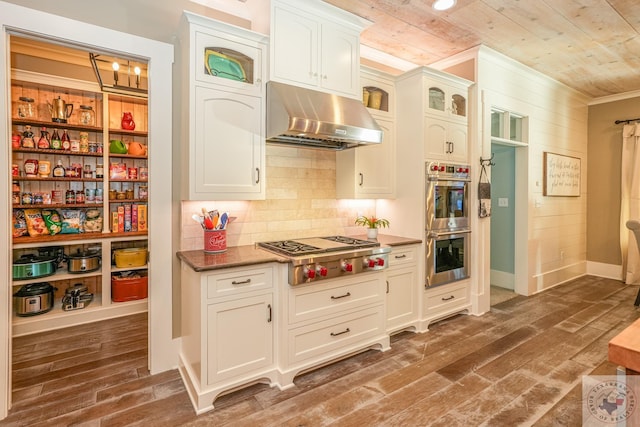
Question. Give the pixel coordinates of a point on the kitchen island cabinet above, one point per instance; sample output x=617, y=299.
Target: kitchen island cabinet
x=227, y=330
x=317, y=46
x=223, y=111
x=403, y=288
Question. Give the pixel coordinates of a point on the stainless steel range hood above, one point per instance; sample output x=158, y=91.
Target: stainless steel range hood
x=312, y=119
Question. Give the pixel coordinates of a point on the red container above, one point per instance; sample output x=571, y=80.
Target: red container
x=129, y=289
x=215, y=241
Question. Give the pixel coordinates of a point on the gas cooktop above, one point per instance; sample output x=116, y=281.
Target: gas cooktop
x=320, y=258
x=316, y=245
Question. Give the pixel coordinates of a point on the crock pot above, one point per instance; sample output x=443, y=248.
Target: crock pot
x=83, y=261
x=32, y=267
x=34, y=298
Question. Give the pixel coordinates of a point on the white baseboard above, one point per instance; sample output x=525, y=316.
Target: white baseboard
x=610, y=271
x=503, y=279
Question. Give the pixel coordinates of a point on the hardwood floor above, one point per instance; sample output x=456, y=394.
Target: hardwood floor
x=520, y=364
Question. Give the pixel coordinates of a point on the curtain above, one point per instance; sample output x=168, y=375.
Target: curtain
x=630, y=201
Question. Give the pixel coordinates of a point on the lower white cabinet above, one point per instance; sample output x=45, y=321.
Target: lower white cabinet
x=326, y=321
x=402, y=289
x=444, y=301
x=227, y=330
x=239, y=337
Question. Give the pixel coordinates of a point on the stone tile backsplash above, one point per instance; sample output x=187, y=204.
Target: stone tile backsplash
x=301, y=202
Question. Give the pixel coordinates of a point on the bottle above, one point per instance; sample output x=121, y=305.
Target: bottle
x=65, y=140
x=27, y=138
x=56, y=142
x=99, y=170
x=58, y=170
x=44, y=142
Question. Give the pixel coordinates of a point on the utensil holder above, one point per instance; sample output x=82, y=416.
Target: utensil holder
x=215, y=241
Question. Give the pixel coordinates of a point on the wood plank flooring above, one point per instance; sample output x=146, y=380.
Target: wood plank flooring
x=520, y=364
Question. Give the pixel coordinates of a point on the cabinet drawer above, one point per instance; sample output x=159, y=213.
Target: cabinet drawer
x=238, y=281
x=314, y=301
x=335, y=334
x=446, y=297
x=403, y=255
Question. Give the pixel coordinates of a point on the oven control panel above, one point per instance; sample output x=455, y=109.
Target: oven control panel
x=443, y=171
x=330, y=269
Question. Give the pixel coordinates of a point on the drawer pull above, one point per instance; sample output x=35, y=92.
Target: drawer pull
x=387, y=286
x=348, y=294
x=401, y=256
x=335, y=334
x=269, y=311
x=242, y=282
x=449, y=298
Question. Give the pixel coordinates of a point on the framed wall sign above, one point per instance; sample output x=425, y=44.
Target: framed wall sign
x=561, y=175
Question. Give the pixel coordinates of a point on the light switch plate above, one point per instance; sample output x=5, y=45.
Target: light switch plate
x=503, y=202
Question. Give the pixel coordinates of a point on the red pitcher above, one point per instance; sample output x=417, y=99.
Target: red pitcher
x=127, y=122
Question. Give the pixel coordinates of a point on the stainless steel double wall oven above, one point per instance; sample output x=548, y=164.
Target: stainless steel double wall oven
x=447, y=222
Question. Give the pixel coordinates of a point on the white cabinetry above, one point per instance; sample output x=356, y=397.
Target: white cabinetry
x=402, y=288
x=369, y=172
x=223, y=110
x=444, y=301
x=324, y=322
x=445, y=140
x=315, y=45
x=227, y=330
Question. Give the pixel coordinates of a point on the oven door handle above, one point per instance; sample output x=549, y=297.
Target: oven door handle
x=436, y=234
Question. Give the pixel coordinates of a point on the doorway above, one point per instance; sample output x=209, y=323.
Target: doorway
x=509, y=205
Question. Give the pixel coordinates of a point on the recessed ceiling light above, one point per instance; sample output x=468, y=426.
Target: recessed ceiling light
x=443, y=4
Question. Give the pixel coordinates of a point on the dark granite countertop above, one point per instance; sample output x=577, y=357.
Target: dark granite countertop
x=239, y=256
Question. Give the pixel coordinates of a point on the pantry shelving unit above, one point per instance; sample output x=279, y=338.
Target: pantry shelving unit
x=108, y=109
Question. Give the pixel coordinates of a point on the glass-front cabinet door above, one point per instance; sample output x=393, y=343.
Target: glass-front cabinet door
x=228, y=62
x=447, y=101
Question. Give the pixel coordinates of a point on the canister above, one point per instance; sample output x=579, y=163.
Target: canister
x=80, y=197
x=143, y=192
x=90, y=195
x=99, y=170
x=144, y=172
x=37, y=199
x=99, y=195
x=56, y=196
x=129, y=193
x=27, y=198
x=113, y=194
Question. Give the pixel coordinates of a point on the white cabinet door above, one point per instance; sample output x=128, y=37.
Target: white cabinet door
x=402, y=297
x=447, y=101
x=313, y=52
x=445, y=140
x=339, y=60
x=369, y=171
x=227, y=158
x=294, y=48
x=403, y=287
x=239, y=337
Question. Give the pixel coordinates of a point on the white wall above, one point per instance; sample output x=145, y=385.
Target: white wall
x=557, y=123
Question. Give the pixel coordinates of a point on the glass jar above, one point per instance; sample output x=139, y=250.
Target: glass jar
x=87, y=116
x=26, y=108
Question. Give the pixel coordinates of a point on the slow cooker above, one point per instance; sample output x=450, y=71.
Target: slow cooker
x=34, y=298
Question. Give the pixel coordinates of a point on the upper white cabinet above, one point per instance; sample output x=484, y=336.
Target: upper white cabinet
x=445, y=140
x=369, y=172
x=448, y=101
x=433, y=107
x=316, y=45
x=223, y=111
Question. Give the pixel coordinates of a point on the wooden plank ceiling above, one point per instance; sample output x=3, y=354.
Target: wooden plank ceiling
x=592, y=46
